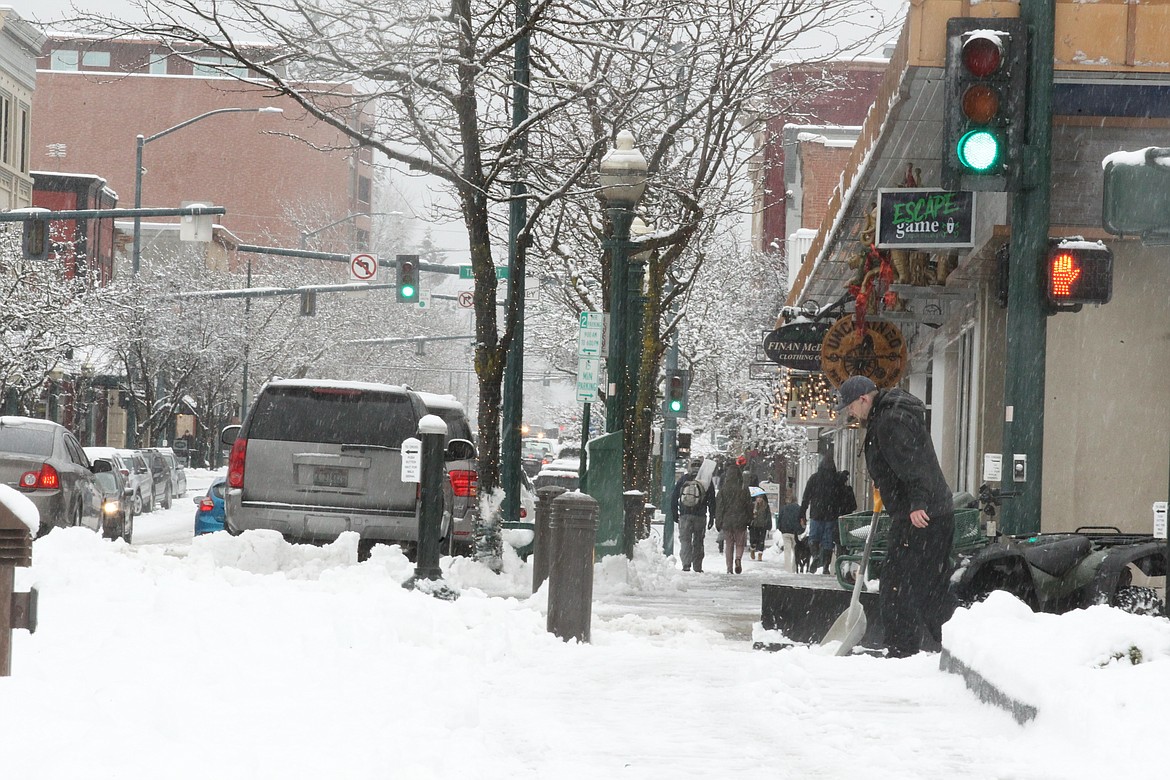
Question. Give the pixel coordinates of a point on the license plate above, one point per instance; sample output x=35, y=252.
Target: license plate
x=336, y=478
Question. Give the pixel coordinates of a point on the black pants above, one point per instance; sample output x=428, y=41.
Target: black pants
x=915, y=591
x=757, y=537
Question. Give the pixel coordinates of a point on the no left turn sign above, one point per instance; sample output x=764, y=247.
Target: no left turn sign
x=363, y=267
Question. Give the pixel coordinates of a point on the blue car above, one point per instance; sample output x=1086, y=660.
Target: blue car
x=209, y=514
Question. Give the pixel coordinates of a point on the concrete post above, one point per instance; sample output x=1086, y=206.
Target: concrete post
x=573, y=528
x=541, y=544
x=433, y=432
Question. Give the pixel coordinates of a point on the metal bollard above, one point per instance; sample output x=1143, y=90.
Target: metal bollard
x=573, y=529
x=427, y=574
x=541, y=550
x=17, y=610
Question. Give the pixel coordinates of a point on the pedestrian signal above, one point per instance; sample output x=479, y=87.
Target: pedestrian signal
x=1078, y=272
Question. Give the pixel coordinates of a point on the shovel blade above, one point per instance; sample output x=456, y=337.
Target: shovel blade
x=848, y=630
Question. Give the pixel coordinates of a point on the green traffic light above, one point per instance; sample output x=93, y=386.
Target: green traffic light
x=406, y=291
x=675, y=405
x=979, y=150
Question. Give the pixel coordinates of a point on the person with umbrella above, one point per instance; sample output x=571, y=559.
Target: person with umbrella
x=761, y=523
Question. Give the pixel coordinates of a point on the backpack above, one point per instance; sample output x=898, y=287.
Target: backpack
x=691, y=495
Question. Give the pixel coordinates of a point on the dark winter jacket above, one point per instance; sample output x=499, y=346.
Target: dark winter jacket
x=901, y=459
x=788, y=519
x=821, y=493
x=733, y=505
x=706, y=508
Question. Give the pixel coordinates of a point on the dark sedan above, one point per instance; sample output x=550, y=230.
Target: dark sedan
x=45, y=461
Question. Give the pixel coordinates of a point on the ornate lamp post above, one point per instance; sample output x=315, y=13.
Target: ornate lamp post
x=623, y=180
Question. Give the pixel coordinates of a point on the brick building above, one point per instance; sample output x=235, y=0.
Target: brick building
x=278, y=175
x=835, y=94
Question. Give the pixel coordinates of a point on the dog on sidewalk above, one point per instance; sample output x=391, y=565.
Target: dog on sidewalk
x=803, y=552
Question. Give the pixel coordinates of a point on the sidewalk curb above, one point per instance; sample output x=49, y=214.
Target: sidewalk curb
x=985, y=690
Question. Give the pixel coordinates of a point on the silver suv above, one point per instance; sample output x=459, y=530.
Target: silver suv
x=315, y=458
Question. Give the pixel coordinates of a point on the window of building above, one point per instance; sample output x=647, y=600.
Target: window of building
x=363, y=192
x=6, y=129
x=96, y=59
x=158, y=64
x=24, y=140
x=63, y=59
x=217, y=67
x=363, y=240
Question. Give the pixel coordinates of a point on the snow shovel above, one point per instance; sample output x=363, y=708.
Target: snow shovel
x=850, y=626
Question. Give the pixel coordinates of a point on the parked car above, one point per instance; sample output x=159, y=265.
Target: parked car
x=209, y=508
x=178, y=471
x=45, y=461
x=535, y=453
x=133, y=466
x=462, y=467
x=316, y=457
x=162, y=486
x=117, y=501
x=564, y=472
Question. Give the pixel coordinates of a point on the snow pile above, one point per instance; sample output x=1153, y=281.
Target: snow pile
x=21, y=506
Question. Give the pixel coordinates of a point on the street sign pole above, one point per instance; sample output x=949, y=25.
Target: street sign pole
x=590, y=347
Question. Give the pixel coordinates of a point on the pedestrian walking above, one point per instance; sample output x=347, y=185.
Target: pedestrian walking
x=733, y=515
x=790, y=525
x=694, y=507
x=846, y=504
x=902, y=462
x=760, y=526
x=819, y=508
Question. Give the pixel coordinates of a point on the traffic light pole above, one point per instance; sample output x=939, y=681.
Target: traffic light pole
x=1027, y=316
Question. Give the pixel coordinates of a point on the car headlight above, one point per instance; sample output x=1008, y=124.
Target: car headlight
x=111, y=506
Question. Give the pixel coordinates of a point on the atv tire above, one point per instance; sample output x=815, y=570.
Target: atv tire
x=1139, y=601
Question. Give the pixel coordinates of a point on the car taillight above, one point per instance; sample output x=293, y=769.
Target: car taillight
x=206, y=504
x=45, y=479
x=464, y=482
x=236, y=463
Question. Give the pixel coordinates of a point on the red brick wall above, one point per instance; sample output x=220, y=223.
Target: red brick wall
x=844, y=102
x=821, y=168
x=226, y=159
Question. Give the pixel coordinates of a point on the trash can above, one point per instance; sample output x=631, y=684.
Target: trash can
x=573, y=532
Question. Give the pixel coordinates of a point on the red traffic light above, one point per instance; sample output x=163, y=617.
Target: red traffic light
x=1079, y=272
x=982, y=54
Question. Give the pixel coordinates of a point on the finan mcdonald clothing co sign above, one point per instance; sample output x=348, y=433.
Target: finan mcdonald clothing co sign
x=797, y=345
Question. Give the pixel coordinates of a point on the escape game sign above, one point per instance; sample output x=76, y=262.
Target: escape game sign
x=911, y=218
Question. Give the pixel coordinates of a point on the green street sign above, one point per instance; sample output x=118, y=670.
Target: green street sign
x=1136, y=198
x=466, y=273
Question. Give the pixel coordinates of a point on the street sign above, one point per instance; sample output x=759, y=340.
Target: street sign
x=588, y=379
x=590, y=336
x=531, y=288
x=466, y=299
x=195, y=227
x=363, y=267
x=411, y=460
x=465, y=272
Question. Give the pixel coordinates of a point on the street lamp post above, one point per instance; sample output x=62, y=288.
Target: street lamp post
x=623, y=180
x=307, y=234
x=144, y=140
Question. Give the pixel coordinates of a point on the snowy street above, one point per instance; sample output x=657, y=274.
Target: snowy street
x=250, y=658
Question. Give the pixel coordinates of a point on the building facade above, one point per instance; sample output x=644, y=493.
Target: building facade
x=279, y=175
x=1106, y=413
x=20, y=43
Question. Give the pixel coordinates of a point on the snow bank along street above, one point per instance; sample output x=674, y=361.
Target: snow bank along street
x=248, y=657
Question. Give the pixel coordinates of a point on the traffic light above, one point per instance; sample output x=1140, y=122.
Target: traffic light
x=1078, y=272
x=986, y=96
x=674, y=403
x=34, y=242
x=407, y=289
x=682, y=447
